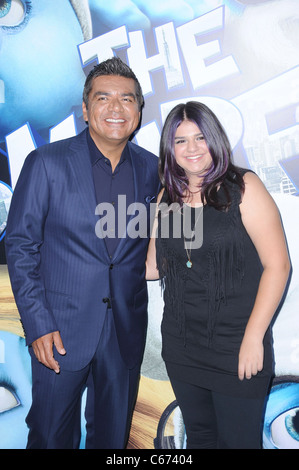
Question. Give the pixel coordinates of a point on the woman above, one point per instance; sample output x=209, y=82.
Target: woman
x=219, y=299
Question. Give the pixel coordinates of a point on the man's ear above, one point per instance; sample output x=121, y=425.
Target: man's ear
x=85, y=114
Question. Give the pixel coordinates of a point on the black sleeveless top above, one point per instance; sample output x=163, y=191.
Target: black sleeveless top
x=207, y=306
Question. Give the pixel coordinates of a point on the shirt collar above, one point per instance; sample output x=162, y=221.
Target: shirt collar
x=96, y=154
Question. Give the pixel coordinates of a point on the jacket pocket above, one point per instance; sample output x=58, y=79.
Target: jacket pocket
x=57, y=300
x=141, y=298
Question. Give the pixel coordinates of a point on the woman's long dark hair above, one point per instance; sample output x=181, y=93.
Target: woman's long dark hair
x=222, y=169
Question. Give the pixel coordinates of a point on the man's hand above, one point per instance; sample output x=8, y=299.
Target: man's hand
x=43, y=349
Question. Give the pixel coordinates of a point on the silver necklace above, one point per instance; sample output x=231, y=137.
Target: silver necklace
x=189, y=263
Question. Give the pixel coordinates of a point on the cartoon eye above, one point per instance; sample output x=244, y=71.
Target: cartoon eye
x=8, y=400
x=285, y=430
x=12, y=12
x=281, y=425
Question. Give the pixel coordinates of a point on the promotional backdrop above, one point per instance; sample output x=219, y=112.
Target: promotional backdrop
x=240, y=57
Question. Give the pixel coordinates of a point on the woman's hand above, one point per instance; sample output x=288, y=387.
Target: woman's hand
x=251, y=357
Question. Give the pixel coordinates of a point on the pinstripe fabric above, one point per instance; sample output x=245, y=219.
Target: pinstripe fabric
x=60, y=270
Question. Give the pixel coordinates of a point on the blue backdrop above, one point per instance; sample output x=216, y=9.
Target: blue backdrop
x=240, y=57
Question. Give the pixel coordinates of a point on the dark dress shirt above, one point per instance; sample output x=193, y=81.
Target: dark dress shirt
x=109, y=186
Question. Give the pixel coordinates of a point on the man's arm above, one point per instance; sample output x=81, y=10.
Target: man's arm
x=23, y=242
x=261, y=219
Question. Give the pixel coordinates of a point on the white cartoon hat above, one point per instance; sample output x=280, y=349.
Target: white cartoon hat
x=82, y=11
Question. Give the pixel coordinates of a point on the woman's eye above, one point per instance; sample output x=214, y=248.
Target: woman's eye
x=8, y=400
x=12, y=12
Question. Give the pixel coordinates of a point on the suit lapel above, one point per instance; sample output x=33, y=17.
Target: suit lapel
x=80, y=164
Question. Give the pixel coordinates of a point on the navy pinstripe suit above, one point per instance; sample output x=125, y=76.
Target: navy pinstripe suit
x=60, y=271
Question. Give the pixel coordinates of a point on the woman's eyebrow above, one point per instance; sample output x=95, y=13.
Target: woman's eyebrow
x=184, y=136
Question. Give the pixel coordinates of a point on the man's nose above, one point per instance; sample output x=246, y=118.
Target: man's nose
x=115, y=104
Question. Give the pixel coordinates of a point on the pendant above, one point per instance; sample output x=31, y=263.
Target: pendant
x=189, y=264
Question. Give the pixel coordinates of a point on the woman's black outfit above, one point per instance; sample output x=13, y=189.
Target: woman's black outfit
x=206, y=310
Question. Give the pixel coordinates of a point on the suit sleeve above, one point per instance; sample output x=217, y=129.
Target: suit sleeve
x=23, y=243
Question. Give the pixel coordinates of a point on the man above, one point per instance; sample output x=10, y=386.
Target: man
x=83, y=298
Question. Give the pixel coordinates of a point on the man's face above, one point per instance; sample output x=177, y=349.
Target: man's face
x=113, y=113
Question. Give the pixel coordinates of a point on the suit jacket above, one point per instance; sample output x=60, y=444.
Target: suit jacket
x=60, y=270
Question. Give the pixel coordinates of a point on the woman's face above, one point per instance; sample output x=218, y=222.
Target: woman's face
x=190, y=149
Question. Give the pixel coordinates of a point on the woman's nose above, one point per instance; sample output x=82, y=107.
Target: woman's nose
x=192, y=145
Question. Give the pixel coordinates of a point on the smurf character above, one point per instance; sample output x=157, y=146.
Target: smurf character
x=143, y=15
x=41, y=77
x=15, y=371
x=15, y=390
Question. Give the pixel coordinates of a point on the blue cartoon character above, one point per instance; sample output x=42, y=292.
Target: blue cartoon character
x=143, y=15
x=15, y=390
x=41, y=77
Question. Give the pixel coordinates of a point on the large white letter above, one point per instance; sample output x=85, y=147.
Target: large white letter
x=101, y=47
x=19, y=143
x=167, y=58
x=195, y=55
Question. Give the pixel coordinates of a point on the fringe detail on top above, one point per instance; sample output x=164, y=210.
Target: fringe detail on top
x=226, y=269
x=172, y=280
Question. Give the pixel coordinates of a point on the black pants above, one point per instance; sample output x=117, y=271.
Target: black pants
x=217, y=421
